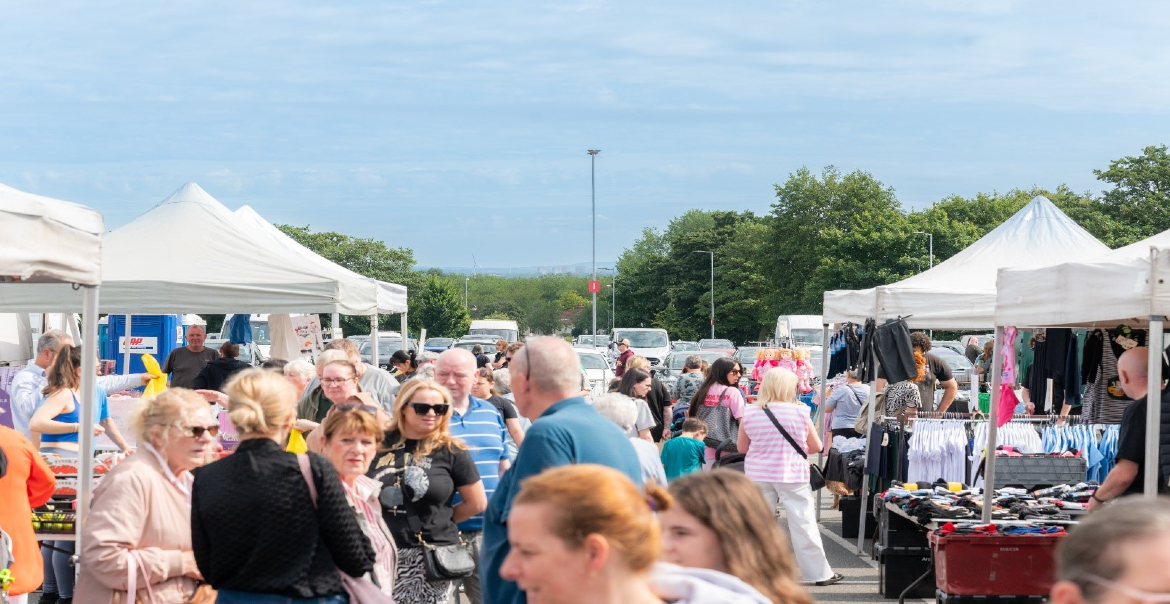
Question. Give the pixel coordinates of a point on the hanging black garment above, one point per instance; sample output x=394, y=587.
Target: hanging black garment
x=894, y=351
x=1037, y=374
x=865, y=364
x=1057, y=353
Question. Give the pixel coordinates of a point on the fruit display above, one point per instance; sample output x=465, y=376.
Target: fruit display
x=53, y=519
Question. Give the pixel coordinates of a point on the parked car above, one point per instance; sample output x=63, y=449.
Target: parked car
x=387, y=344
x=954, y=345
x=683, y=346
x=597, y=367
x=591, y=341
x=650, y=342
x=672, y=366
x=961, y=368
x=717, y=345
x=470, y=342
x=746, y=355
x=438, y=344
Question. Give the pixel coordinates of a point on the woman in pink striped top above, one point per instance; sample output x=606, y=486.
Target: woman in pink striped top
x=352, y=435
x=781, y=471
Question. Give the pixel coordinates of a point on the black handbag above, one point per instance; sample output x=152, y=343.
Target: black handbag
x=440, y=562
x=816, y=478
x=448, y=562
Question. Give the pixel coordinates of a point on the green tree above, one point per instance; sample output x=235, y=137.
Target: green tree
x=835, y=232
x=1140, y=197
x=438, y=307
x=364, y=256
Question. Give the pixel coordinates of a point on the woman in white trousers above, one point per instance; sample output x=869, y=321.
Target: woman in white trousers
x=781, y=471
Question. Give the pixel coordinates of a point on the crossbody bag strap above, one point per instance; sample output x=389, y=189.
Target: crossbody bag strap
x=785, y=433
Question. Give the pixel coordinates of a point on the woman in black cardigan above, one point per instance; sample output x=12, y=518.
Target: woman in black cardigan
x=256, y=534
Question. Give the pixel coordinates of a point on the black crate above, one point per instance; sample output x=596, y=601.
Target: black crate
x=850, y=508
x=898, y=567
x=896, y=531
x=944, y=598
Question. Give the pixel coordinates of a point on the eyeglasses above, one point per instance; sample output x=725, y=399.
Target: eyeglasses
x=424, y=408
x=197, y=431
x=1144, y=597
x=335, y=381
x=372, y=410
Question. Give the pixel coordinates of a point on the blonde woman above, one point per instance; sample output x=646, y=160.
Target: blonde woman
x=422, y=467
x=141, y=511
x=256, y=533
x=781, y=471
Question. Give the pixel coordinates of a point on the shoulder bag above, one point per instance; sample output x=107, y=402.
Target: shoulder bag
x=203, y=594
x=722, y=427
x=861, y=426
x=360, y=589
x=816, y=479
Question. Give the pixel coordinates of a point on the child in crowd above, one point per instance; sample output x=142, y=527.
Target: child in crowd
x=684, y=453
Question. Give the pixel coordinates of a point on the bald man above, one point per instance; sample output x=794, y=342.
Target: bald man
x=1128, y=476
x=546, y=381
x=481, y=426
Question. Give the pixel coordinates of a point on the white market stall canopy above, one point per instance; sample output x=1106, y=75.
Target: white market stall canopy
x=1125, y=285
x=188, y=254
x=47, y=240
x=960, y=292
x=391, y=296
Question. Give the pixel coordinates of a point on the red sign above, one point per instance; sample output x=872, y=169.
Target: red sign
x=594, y=287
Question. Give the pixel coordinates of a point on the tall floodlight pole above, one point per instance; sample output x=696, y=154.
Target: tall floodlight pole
x=712, y=254
x=613, y=299
x=593, y=193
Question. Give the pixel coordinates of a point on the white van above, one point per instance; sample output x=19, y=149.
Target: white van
x=805, y=331
x=649, y=342
x=495, y=329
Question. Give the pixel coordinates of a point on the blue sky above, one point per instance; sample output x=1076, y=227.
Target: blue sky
x=456, y=128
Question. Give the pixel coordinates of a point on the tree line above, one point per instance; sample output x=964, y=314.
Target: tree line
x=827, y=230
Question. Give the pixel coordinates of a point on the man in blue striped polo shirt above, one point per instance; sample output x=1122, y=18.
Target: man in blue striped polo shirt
x=481, y=426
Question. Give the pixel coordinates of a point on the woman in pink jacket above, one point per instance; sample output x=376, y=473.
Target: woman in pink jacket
x=141, y=515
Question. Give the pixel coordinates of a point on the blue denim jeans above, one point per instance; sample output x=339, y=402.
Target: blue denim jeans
x=226, y=596
x=58, y=570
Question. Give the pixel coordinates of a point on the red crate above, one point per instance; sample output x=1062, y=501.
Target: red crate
x=1002, y=565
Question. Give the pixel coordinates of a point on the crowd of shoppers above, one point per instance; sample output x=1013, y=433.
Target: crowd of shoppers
x=582, y=513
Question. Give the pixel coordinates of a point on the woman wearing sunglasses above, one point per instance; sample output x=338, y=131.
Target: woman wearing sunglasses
x=421, y=468
x=142, y=508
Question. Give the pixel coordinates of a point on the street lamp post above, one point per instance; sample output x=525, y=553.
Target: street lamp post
x=931, y=236
x=712, y=254
x=593, y=194
x=465, y=280
x=613, y=298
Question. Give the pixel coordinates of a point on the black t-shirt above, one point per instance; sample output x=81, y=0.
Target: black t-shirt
x=428, y=487
x=482, y=360
x=505, y=407
x=937, y=366
x=1131, y=445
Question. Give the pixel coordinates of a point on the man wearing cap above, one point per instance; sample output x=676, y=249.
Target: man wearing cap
x=624, y=356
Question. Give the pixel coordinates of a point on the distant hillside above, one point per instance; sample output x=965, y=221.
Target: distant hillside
x=581, y=268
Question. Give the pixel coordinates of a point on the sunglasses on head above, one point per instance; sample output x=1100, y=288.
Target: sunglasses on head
x=197, y=431
x=423, y=408
x=372, y=410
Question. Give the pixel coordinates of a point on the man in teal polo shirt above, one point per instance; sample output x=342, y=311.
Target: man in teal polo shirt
x=546, y=378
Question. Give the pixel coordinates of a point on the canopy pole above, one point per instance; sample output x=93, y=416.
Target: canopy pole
x=821, y=408
x=872, y=402
x=1153, y=406
x=374, y=340
x=335, y=326
x=992, y=427
x=85, y=435
x=405, y=334
x=126, y=353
